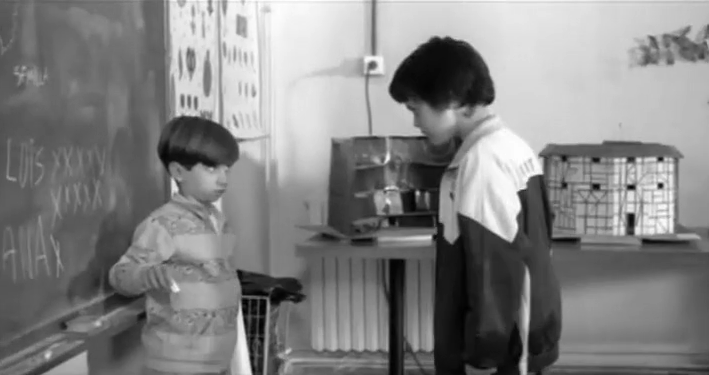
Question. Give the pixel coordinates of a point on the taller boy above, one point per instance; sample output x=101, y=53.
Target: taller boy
x=498, y=302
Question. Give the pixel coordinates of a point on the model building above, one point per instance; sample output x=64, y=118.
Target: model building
x=380, y=182
x=613, y=188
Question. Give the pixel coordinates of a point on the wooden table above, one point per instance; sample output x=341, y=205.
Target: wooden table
x=625, y=306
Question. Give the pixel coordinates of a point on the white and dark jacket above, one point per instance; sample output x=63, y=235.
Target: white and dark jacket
x=495, y=210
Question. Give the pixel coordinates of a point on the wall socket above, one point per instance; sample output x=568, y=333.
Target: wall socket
x=373, y=65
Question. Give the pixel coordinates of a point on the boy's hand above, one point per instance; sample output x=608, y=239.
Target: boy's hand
x=158, y=277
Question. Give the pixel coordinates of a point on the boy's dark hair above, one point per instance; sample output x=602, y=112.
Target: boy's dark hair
x=441, y=72
x=190, y=140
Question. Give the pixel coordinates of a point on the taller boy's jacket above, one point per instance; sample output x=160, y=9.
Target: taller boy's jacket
x=494, y=212
x=195, y=329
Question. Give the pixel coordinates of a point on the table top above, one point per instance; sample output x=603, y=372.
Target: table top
x=400, y=249
x=323, y=247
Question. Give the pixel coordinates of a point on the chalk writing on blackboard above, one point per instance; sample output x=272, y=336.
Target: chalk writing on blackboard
x=23, y=163
x=31, y=75
x=28, y=250
x=8, y=40
x=71, y=177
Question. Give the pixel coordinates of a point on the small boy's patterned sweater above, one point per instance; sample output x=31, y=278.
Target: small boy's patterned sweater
x=192, y=331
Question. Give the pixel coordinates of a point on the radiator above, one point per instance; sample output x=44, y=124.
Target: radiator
x=349, y=309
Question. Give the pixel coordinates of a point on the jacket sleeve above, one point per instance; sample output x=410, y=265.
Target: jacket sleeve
x=152, y=245
x=488, y=211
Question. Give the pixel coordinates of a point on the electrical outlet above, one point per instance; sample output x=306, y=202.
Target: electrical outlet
x=373, y=65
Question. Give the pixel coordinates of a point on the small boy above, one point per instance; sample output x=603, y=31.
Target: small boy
x=180, y=260
x=498, y=302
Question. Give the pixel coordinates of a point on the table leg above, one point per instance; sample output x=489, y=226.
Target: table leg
x=397, y=268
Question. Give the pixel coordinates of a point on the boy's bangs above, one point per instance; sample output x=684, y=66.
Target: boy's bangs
x=192, y=140
x=401, y=93
x=214, y=151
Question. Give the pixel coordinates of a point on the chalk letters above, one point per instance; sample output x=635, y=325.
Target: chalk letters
x=31, y=75
x=23, y=163
x=30, y=251
x=73, y=186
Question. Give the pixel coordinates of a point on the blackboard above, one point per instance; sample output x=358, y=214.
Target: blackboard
x=82, y=100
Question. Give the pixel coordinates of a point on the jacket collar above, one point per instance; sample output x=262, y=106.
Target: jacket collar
x=201, y=210
x=485, y=123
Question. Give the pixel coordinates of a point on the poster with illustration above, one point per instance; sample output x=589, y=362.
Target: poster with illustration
x=194, y=57
x=240, y=78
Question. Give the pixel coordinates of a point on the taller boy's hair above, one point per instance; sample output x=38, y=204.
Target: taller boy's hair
x=190, y=140
x=441, y=72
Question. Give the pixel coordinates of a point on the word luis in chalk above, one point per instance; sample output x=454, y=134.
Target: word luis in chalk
x=28, y=163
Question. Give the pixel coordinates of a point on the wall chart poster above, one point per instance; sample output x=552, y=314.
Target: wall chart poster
x=240, y=80
x=215, y=63
x=194, y=57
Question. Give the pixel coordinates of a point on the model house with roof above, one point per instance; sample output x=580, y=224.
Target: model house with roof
x=613, y=188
